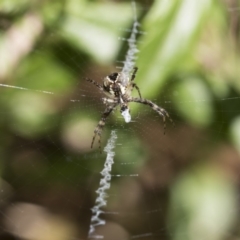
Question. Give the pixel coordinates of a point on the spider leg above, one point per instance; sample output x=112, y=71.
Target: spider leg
x=95, y=83
x=161, y=111
x=135, y=69
x=134, y=85
x=101, y=124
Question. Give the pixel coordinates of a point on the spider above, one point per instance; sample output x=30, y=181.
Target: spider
x=119, y=93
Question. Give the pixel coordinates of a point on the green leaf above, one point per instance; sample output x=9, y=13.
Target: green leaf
x=10, y=6
x=235, y=132
x=95, y=27
x=172, y=28
x=42, y=72
x=193, y=100
x=203, y=205
x=33, y=113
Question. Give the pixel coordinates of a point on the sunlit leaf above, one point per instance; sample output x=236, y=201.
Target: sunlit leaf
x=193, y=100
x=10, y=6
x=95, y=28
x=52, y=11
x=32, y=112
x=203, y=205
x=42, y=72
x=171, y=29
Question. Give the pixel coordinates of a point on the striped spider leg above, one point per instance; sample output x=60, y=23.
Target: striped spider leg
x=111, y=105
x=161, y=111
x=101, y=124
x=134, y=85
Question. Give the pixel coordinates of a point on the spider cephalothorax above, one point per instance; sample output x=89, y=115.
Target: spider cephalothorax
x=111, y=85
x=120, y=94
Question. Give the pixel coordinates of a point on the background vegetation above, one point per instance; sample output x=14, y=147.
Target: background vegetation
x=188, y=180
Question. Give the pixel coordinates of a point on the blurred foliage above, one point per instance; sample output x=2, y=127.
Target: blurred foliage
x=188, y=64
x=206, y=199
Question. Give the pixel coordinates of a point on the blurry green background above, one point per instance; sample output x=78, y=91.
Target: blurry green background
x=188, y=180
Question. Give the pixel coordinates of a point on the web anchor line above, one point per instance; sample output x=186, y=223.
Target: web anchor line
x=36, y=90
x=105, y=184
x=25, y=89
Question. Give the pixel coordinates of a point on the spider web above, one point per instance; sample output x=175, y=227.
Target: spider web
x=50, y=175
